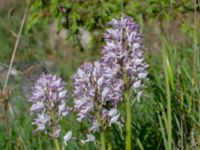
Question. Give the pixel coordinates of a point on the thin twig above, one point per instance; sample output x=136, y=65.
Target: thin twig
x=13, y=33
x=11, y=63
x=13, y=55
x=15, y=49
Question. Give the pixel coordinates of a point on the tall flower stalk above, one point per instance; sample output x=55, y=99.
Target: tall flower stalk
x=48, y=103
x=97, y=90
x=123, y=49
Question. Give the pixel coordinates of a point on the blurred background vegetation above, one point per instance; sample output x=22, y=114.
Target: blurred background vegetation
x=59, y=35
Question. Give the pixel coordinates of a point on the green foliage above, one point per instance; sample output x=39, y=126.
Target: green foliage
x=171, y=98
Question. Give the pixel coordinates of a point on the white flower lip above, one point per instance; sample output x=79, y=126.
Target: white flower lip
x=67, y=137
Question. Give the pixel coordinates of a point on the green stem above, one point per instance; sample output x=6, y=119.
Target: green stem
x=102, y=134
x=53, y=117
x=128, y=121
x=102, y=139
x=109, y=146
x=109, y=138
x=169, y=122
x=57, y=144
x=167, y=72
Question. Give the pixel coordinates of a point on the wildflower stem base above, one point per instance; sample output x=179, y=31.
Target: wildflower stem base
x=128, y=121
x=102, y=139
x=57, y=144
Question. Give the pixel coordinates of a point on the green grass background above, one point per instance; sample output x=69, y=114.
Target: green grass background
x=169, y=112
